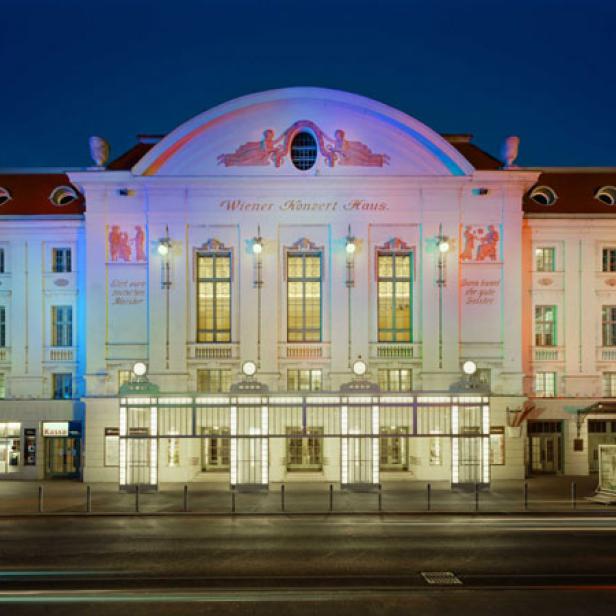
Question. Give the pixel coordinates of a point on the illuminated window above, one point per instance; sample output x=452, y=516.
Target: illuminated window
x=394, y=296
x=545, y=384
x=545, y=325
x=397, y=379
x=609, y=384
x=608, y=325
x=393, y=450
x=62, y=386
x=213, y=381
x=215, y=449
x=303, y=151
x=545, y=259
x=304, y=453
x=62, y=326
x=304, y=380
x=2, y=326
x=214, y=297
x=124, y=376
x=112, y=447
x=497, y=445
x=609, y=260
x=304, y=297
x=61, y=260
x=10, y=447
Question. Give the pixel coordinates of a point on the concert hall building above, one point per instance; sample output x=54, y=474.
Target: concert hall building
x=306, y=285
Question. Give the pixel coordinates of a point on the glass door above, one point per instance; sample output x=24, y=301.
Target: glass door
x=62, y=456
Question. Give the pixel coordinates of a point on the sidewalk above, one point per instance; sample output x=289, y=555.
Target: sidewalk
x=545, y=494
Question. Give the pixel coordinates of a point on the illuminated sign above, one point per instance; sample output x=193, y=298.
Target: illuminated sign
x=55, y=428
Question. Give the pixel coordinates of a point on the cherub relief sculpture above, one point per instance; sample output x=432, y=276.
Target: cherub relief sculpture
x=480, y=243
x=269, y=150
x=120, y=248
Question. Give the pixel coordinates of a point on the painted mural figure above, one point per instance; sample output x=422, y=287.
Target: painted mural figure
x=487, y=248
x=114, y=242
x=469, y=244
x=139, y=243
x=254, y=153
x=355, y=153
x=125, y=249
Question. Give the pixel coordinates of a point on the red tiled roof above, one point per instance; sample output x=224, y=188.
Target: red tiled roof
x=127, y=160
x=477, y=157
x=30, y=194
x=575, y=190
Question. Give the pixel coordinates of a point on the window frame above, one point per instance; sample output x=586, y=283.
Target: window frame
x=61, y=260
x=394, y=334
x=608, y=326
x=223, y=380
x=67, y=379
x=387, y=373
x=544, y=391
x=62, y=328
x=541, y=261
x=218, y=334
x=542, y=322
x=304, y=280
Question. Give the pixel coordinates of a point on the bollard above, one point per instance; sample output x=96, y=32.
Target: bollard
x=282, y=498
x=526, y=496
x=88, y=499
x=331, y=497
x=573, y=495
x=232, y=500
x=380, y=497
x=429, y=486
x=476, y=496
x=137, y=499
x=40, y=499
x=185, y=498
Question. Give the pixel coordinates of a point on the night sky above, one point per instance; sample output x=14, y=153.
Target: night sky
x=541, y=69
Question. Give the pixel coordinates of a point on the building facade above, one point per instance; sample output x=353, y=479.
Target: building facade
x=305, y=285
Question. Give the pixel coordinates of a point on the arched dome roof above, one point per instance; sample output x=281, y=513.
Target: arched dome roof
x=252, y=135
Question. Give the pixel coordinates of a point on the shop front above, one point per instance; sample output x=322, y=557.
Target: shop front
x=62, y=449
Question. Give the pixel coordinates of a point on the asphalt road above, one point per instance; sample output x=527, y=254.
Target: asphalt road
x=320, y=565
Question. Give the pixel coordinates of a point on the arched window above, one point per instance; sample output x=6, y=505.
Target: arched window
x=543, y=195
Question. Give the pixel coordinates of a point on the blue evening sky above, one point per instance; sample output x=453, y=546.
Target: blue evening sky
x=541, y=69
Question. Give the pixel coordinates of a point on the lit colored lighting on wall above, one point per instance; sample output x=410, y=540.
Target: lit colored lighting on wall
x=443, y=245
x=163, y=247
x=257, y=247
x=350, y=245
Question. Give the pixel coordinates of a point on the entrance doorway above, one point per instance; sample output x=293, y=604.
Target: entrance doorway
x=62, y=457
x=600, y=432
x=215, y=449
x=545, y=446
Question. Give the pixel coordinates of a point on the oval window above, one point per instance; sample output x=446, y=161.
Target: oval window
x=63, y=195
x=304, y=151
x=5, y=196
x=543, y=195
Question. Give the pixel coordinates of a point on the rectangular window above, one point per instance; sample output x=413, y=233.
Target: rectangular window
x=61, y=260
x=545, y=384
x=2, y=326
x=112, y=447
x=124, y=376
x=609, y=384
x=609, y=260
x=394, y=296
x=484, y=377
x=62, y=326
x=497, y=445
x=62, y=386
x=10, y=447
x=213, y=381
x=545, y=259
x=2, y=263
x=398, y=379
x=393, y=448
x=304, y=453
x=2, y=386
x=303, y=380
x=545, y=325
x=215, y=449
x=304, y=297
x=214, y=297
x=597, y=426
x=608, y=326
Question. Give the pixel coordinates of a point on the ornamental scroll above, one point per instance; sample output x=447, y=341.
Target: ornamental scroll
x=336, y=151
